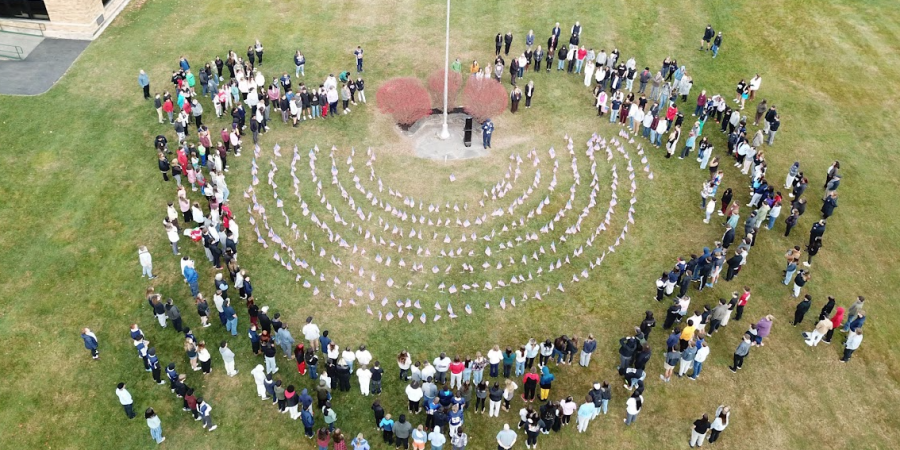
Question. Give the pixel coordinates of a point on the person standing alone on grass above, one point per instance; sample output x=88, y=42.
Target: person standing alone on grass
x=144, y=82
x=90, y=342
x=802, y=309
x=126, y=400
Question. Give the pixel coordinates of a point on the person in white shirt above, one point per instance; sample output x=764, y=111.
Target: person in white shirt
x=363, y=356
x=310, y=330
x=125, y=399
x=633, y=407
x=428, y=371
x=414, y=395
x=755, y=83
x=494, y=357
x=330, y=82
x=638, y=119
x=146, y=261
x=365, y=378
x=204, y=409
x=333, y=351
x=854, y=339
x=233, y=227
x=441, y=366
x=349, y=357
x=228, y=358
x=699, y=359
x=259, y=377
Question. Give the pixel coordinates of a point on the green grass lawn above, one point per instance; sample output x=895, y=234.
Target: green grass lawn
x=81, y=191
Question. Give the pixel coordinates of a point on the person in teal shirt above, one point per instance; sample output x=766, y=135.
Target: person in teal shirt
x=585, y=413
x=189, y=77
x=456, y=66
x=509, y=358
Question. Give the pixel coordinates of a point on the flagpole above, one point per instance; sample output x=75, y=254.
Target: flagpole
x=445, y=131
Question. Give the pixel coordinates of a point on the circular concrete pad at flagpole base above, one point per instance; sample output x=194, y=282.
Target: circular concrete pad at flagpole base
x=428, y=144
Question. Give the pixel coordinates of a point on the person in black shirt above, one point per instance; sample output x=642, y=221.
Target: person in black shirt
x=717, y=43
x=507, y=41
x=698, y=431
x=498, y=42
x=377, y=374
x=342, y=372
x=312, y=363
x=707, y=36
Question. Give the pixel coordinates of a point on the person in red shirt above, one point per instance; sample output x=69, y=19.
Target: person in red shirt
x=190, y=403
x=742, y=302
x=456, y=370
x=671, y=112
x=701, y=104
x=226, y=138
x=169, y=108
x=530, y=382
x=579, y=59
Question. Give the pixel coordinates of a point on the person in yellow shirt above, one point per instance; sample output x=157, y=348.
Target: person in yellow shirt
x=687, y=334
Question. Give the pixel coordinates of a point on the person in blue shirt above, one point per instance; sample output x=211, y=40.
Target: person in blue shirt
x=154, y=365
x=446, y=396
x=359, y=58
x=487, y=128
x=172, y=374
x=308, y=422
x=387, y=429
x=231, y=320
x=190, y=275
x=546, y=382
x=324, y=340
x=430, y=408
x=90, y=342
x=144, y=81
x=455, y=419
x=587, y=348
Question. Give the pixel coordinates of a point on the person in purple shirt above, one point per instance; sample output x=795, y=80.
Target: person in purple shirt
x=763, y=328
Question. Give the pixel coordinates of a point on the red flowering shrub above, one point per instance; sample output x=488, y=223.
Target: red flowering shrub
x=484, y=98
x=436, y=88
x=405, y=99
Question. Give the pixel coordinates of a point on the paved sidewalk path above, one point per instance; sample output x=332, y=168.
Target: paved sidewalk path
x=43, y=67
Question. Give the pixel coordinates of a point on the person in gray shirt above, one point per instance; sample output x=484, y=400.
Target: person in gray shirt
x=742, y=351
x=506, y=438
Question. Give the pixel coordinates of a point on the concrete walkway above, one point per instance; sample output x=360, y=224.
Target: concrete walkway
x=45, y=65
x=8, y=42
